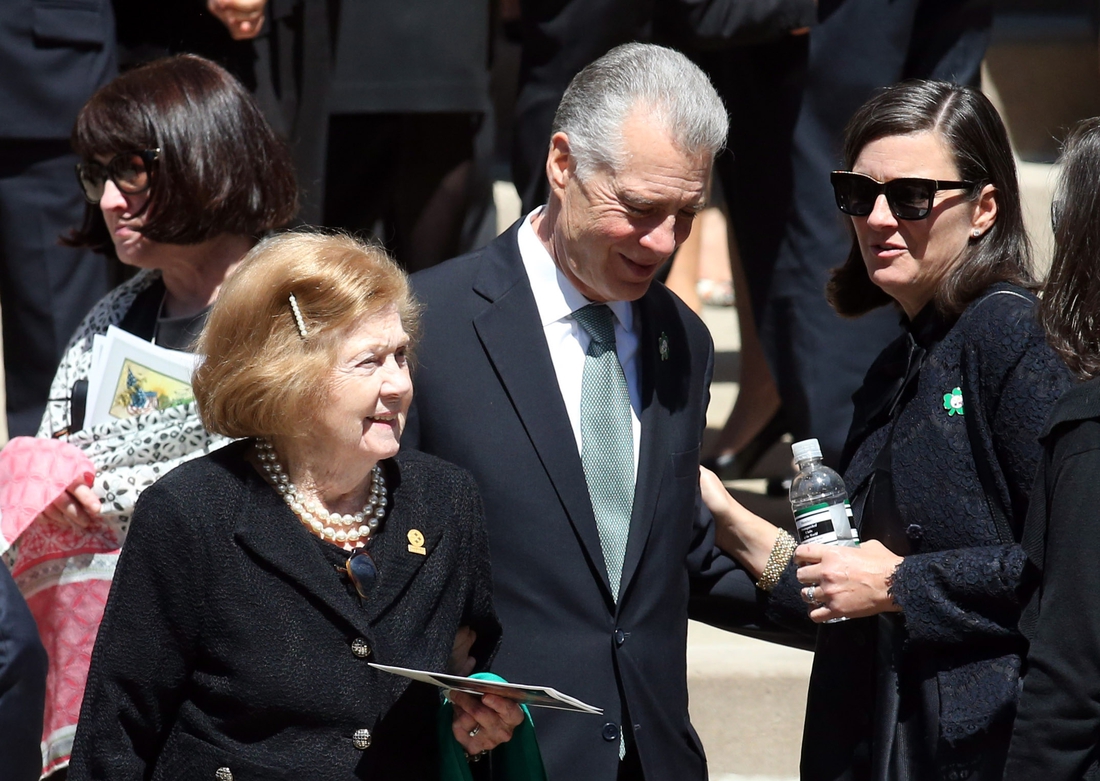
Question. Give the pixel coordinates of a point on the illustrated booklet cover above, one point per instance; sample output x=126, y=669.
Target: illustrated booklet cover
x=132, y=377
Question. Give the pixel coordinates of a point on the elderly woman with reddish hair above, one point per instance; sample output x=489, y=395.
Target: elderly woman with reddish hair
x=259, y=581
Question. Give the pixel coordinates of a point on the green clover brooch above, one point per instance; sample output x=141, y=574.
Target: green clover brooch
x=953, y=402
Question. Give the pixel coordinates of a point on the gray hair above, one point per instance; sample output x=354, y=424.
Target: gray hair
x=664, y=83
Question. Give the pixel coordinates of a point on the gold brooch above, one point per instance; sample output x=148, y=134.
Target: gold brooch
x=416, y=542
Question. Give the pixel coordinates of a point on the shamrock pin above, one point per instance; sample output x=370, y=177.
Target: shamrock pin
x=953, y=402
x=662, y=346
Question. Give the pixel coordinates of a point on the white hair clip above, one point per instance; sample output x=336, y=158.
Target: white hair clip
x=297, y=315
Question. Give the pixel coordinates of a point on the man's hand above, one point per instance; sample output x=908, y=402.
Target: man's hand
x=243, y=18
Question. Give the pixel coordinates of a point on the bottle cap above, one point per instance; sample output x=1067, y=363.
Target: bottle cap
x=805, y=450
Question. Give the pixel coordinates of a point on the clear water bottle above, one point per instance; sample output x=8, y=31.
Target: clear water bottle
x=819, y=500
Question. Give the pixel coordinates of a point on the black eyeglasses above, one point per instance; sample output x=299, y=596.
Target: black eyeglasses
x=908, y=199
x=132, y=173
x=361, y=570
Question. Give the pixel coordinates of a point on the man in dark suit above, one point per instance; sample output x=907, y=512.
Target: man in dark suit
x=53, y=56
x=575, y=389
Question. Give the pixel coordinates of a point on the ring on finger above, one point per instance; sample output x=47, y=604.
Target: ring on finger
x=809, y=594
x=474, y=731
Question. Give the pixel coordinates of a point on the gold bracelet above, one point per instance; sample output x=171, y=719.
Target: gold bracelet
x=780, y=556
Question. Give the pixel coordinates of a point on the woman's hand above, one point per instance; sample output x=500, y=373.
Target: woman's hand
x=742, y=534
x=243, y=18
x=483, y=723
x=77, y=505
x=848, y=582
x=461, y=663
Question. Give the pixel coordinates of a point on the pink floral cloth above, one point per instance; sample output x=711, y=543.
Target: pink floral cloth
x=60, y=568
x=33, y=473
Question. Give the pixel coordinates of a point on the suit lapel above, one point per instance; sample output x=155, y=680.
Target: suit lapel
x=513, y=339
x=653, y=449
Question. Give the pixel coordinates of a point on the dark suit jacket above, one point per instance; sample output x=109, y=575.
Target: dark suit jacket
x=22, y=686
x=53, y=55
x=487, y=398
x=229, y=640
x=1056, y=735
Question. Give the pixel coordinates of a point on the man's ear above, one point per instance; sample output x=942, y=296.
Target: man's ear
x=559, y=163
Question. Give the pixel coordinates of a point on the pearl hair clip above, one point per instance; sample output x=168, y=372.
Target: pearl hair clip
x=297, y=316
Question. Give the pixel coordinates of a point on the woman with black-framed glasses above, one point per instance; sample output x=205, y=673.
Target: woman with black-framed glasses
x=921, y=681
x=182, y=175
x=260, y=581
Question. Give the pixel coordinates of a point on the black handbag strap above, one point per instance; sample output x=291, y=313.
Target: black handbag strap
x=974, y=411
x=988, y=480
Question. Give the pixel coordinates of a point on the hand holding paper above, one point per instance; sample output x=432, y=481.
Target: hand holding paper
x=539, y=696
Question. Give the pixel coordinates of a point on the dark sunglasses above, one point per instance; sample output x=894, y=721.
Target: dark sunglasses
x=908, y=199
x=361, y=570
x=130, y=171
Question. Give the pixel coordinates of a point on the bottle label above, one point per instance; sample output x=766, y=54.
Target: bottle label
x=826, y=524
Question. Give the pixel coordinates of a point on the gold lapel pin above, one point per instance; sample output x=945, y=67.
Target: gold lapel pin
x=416, y=542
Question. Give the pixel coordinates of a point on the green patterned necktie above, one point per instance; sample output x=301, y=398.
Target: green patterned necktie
x=607, y=438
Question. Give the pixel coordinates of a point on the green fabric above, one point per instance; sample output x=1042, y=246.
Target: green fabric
x=517, y=760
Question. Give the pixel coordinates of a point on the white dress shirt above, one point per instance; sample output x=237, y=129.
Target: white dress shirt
x=557, y=299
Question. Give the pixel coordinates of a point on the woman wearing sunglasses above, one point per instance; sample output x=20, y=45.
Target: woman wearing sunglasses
x=259, y=581
x=1056, y=736
x=921, y=681
x=182, y=175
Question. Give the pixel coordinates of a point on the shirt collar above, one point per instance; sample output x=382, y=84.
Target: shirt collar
x=555, y=296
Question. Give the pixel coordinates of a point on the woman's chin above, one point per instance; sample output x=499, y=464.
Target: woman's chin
x=377, y=450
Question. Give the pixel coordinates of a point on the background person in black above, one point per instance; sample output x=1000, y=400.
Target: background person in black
x=383, y=105
x=1056, y=736
x=559, y=37
x=53, y=56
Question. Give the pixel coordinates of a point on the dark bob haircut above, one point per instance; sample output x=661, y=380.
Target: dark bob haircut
x=970, y=126
x=221, y=168
x=1070, y=308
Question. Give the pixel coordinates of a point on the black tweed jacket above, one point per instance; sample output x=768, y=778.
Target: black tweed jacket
x=230, y=641
x=956, y=657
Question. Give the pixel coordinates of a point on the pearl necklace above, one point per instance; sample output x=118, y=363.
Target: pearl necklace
x=350, y=531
